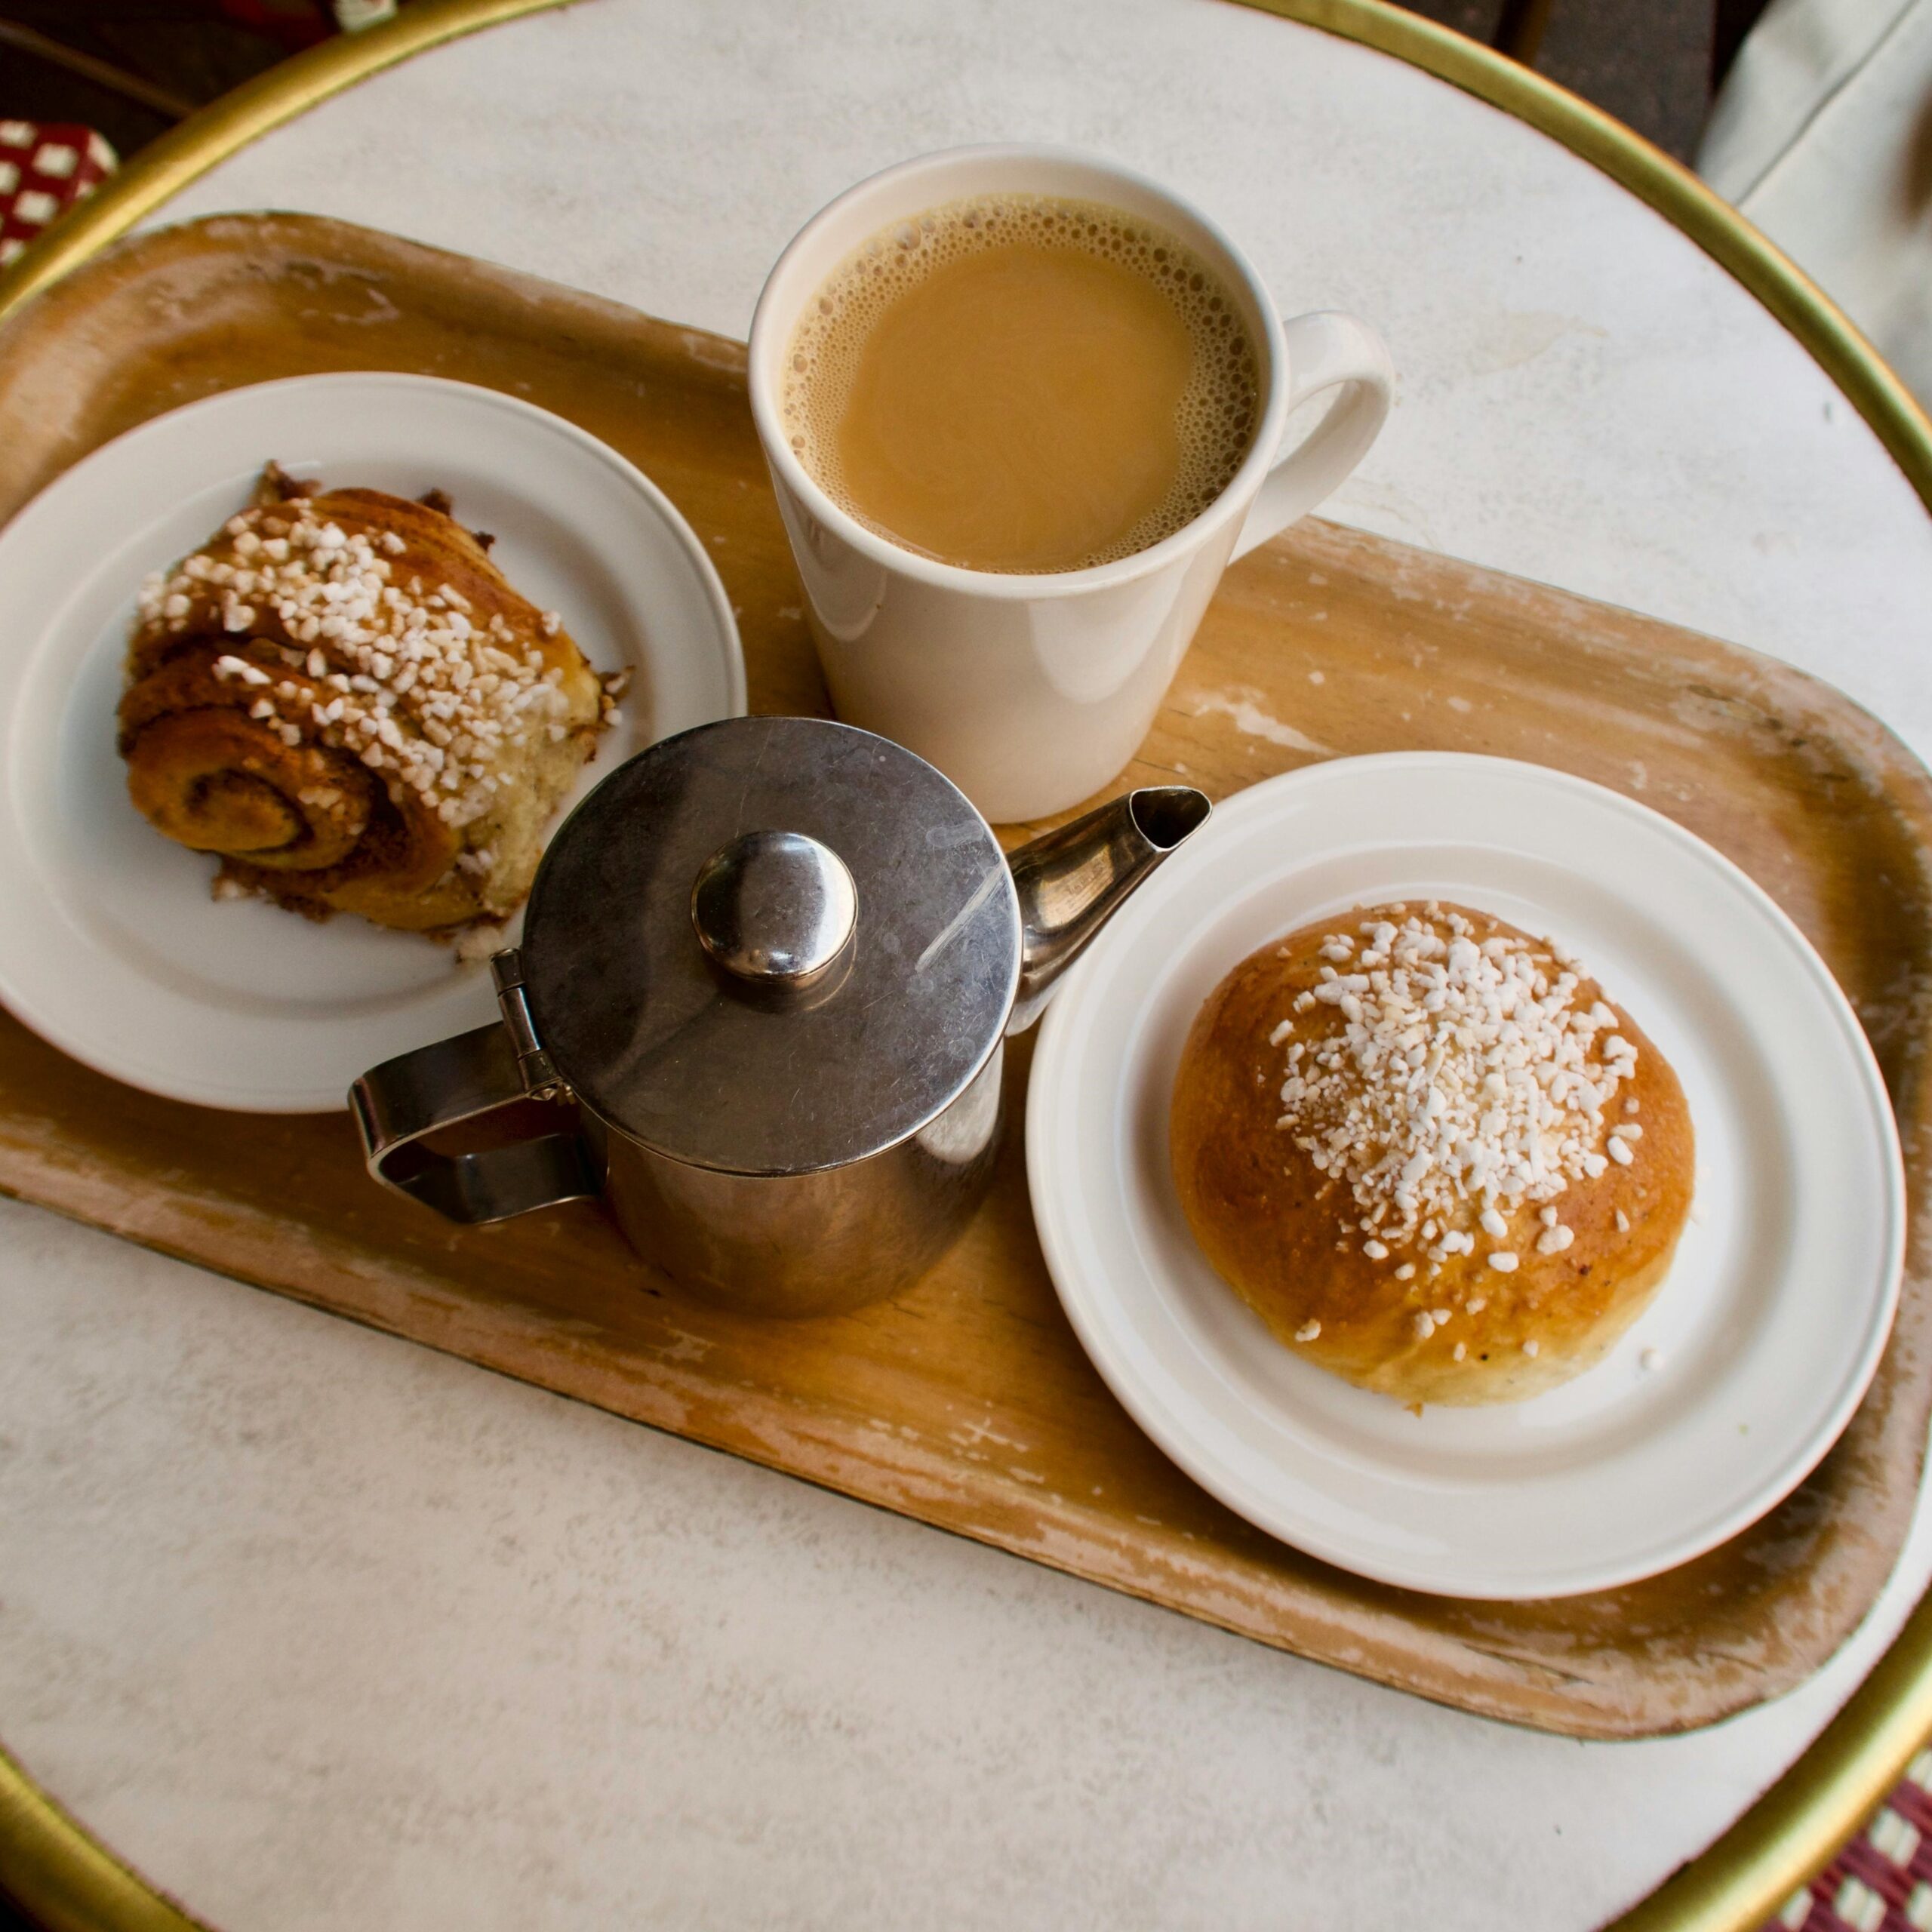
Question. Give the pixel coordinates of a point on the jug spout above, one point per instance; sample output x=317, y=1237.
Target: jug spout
x=1071, y=881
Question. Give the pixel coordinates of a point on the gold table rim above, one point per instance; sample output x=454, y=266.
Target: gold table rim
x=61, y=1873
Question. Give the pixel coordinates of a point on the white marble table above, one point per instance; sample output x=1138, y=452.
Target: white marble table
x=321, y=1630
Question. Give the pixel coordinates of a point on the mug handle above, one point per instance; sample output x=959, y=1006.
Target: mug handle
x=455, y=1080
x=1326, y=348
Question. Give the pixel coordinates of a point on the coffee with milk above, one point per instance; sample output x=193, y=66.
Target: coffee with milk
x=1022, y=384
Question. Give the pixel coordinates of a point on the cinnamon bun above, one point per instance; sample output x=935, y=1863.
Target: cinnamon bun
x=341, y=696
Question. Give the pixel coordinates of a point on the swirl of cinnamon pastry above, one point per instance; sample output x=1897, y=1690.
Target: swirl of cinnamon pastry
x=341, y=696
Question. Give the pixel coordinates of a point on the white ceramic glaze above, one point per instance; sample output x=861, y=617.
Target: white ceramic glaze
x=1031, y=691
x=1730, y=1385
x=111, y=946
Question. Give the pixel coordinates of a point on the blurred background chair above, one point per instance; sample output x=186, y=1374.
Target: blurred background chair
x=1822, y=135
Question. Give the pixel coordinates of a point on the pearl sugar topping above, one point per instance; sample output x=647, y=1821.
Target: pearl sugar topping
x=1468, y=1075
x=364, y=657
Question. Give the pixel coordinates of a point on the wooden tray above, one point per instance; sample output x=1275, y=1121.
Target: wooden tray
x=967, y=1403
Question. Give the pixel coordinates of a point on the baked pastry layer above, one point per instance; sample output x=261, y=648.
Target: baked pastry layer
x=1431, y=1154
x=341, y=695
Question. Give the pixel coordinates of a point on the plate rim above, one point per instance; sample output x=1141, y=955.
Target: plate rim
x=1052, y=1218
x=54, y=498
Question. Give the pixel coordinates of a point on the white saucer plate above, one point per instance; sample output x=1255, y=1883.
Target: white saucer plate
x=111, y=945
x=1731, y=1386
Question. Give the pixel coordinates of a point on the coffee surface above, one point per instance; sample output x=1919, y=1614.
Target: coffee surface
x=1022, y=384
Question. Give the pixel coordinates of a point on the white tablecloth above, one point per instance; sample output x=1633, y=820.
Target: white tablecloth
x=321, y=1630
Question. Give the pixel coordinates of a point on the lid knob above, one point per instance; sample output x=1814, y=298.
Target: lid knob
x=775, y=909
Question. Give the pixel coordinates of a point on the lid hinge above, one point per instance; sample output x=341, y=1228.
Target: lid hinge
x=540, y=1080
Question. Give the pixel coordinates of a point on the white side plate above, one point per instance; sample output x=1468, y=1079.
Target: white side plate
x=110, y=945
x=1782, y=1294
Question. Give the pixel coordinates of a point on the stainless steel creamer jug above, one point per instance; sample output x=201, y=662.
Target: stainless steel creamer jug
x=772, y=961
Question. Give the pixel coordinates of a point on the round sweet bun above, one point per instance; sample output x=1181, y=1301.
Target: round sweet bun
x=1346, y=1205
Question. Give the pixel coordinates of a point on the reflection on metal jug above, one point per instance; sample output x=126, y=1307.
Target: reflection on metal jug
x=772, y=961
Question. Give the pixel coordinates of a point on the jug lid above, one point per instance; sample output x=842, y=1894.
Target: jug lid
x=771, y=946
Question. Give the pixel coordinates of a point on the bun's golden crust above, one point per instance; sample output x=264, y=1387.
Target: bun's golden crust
x=1288, y=1237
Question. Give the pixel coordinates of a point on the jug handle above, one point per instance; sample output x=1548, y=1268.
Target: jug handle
x=397, y=1104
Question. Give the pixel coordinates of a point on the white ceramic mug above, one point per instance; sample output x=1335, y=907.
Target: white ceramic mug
x=1031, y=692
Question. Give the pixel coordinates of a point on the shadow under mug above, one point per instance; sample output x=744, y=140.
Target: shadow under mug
x=1030, y=692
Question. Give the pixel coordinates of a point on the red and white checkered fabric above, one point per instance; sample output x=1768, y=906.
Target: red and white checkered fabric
x=1882, y=1880
x=45, y=167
